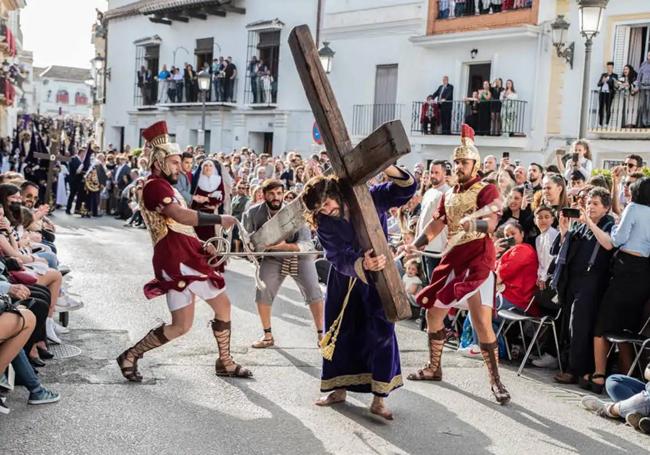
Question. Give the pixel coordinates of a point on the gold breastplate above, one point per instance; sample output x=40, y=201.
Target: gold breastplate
x=458, y=206
x=159, y=225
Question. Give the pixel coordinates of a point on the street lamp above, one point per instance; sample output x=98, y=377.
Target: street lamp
x=98, y=62
x=558, y=32
x=204, y=86
x=591, y=19
x=326, y=55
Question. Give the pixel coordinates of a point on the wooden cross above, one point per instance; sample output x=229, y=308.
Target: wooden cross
x=355, y=166
x=52, y=158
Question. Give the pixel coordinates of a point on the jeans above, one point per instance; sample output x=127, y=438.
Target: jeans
x=50, y=257
x=631, y=394
x=25, y=374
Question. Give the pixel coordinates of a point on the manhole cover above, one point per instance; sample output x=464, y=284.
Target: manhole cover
x=64, y=351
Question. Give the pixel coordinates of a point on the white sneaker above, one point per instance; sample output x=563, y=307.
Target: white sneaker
x=546, y=361
x=50, y=332
x=472, y=351
x=67, y=303
x=59, y=329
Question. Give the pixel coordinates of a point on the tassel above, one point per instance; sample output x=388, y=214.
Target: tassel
x=328, y=343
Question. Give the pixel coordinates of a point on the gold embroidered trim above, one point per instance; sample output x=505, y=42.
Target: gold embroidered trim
x=403, y=182
x=358, y=269
x=362, y=379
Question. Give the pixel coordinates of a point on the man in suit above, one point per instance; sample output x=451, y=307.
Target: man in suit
x=444, y=96
x=75, y=181
x=121, y=178
x=606, y=88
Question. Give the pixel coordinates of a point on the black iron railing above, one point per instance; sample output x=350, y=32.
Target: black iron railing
x=449, y=9
x=367, y=117
x=261, y=90
x=623, y=110
x=488, y=118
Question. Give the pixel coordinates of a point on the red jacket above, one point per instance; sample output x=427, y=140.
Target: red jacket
x=517, y=269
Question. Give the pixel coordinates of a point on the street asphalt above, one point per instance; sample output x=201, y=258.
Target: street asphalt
x=183, y=408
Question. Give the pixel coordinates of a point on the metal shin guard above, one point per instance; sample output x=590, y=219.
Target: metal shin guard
x=436, y=345
x=490, y=353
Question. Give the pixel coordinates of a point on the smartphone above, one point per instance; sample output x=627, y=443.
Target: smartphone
x=575, y=157
x=506, y=155
x=570, y=213
x=528, y=186
x=509, y=242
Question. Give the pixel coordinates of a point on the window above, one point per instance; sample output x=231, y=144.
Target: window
x=631, y=45
x=204, y=52
x=262, y=63
x=449, y=16
x=80, y=99
x=146, y=69
x=62, y=97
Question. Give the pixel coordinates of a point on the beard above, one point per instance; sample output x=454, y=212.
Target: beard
x=462, y=177
x=274, y=205
x=434, y=181
x=172, y=179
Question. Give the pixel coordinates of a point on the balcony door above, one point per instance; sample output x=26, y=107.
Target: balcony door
x=477, y=73
x=385, y=105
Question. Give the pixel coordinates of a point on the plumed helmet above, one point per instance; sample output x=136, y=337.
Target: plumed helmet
x=467, y=150
x=158, y=137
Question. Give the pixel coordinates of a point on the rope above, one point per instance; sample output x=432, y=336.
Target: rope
x=328, y=343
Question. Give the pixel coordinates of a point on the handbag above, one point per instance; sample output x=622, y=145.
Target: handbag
x=22, y=277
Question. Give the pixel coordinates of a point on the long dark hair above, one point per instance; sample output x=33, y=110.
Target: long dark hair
x=641, y=191
x=6, y=190
x=316, y=190
x=633, y=74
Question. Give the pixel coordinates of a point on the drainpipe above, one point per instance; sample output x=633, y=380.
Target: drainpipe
x=319, y=10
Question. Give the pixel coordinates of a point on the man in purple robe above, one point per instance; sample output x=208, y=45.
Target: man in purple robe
x=360, y=348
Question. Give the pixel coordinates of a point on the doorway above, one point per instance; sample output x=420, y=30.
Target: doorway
x=477, y=73
x=261, y=142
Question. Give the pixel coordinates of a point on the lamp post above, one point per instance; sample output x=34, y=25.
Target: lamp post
x=204, y=86
x=591, y=19
x=326, y=55
x=558, y=33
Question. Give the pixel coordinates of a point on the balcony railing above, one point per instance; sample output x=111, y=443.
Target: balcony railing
x=261, y=91
x=620, y=112
x=367, y=117
x=449, y=9
x=488, y=118
x=170, y=93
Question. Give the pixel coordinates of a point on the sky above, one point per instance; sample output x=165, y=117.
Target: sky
x=59, y=31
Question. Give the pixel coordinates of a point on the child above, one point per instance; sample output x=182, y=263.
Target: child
x=411, y=279
x=544, y=219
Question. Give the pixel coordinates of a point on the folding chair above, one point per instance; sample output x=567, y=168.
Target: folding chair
x=638, y=341
x=518, y=316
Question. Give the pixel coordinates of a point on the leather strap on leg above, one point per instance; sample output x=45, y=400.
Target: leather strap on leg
x=490, y=352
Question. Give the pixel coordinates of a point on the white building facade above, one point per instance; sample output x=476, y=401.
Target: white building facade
x=173, y=33
x=62, y=91
x=391, y=54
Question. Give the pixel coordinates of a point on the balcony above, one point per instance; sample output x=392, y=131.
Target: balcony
x=625, y=120
x=447, y=16
x=172, y=95
x=427, y=120
x=367, y=117
x=261, y=92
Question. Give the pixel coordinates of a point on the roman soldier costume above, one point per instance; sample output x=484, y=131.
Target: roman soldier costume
x=179, y=261
x=467, y=266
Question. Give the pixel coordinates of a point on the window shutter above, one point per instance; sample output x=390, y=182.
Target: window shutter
x=621, y=43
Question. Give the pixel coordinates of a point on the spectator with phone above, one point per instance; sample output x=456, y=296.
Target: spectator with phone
x=553, y=194
x=581, y=278
x=629, y=287
x=580, y=160
x=535, y=176
x=517, y=211
x=606, y=90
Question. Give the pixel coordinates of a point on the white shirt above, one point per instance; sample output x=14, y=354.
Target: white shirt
x=429, y=206
x=543, y=244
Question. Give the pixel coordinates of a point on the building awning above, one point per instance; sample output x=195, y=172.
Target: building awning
x=272, y=24
x=167, y=11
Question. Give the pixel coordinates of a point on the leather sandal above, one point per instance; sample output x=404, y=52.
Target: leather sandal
x=238, y=372
x=420, y=375
x=565, y=378
x=263, y=343
x=129, y=372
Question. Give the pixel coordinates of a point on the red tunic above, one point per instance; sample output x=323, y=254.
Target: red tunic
x=470, y=263
x=174, y=243
x=517, y=268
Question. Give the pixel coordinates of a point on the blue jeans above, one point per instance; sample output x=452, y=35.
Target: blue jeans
x=25, y=375
x=52, y=260
x=631, y=394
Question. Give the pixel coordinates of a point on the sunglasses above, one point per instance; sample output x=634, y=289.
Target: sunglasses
x=630, y=165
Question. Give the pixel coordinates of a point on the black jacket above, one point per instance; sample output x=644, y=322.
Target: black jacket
x=444, y=92
x=611, y=82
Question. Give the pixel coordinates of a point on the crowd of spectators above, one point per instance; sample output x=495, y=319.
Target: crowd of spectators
x=492, y=110
x=568, y=235
x=461, y=8
x=32, y=290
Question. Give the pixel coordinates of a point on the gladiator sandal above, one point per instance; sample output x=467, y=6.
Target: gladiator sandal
x=436, y=345
x=490, y=352
x=128, y=360
x=225, y=363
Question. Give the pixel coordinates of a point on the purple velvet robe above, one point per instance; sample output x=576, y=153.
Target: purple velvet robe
x=366, y=358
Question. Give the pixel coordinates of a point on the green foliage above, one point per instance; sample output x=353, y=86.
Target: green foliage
x=136, y=152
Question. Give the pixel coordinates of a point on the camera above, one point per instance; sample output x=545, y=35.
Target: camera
x=568, y=212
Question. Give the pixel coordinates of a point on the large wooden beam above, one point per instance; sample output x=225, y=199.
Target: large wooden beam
x=215, y=11
x=232, y=8
x=337, y=141
x=160, y=20
x=178, y=17
x=195, y=14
